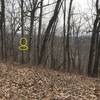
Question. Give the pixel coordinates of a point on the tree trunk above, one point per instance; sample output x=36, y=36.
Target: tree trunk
x=31, y=27
x=93, y=43
x=49, y=27
x=97, y=55
x=68, y=34
x=22, y=29
x=39, y=32
x=64, y=38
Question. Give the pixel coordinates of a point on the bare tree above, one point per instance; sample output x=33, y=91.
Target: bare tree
x=68, y=34
x=22, y=28
x=32, y=18
x=52, y=44
x=93, y=42
x=39, y=31
x=3, y=35
x=47, y=32
x=64, y=38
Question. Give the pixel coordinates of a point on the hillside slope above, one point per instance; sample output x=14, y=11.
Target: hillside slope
x=38, y=84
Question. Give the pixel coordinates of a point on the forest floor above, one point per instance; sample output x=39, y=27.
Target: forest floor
x=22, y=83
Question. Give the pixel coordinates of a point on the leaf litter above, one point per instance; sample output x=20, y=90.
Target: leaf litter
x=43, y=84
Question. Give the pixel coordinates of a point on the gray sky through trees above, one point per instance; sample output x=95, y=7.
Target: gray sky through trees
x=80, y=7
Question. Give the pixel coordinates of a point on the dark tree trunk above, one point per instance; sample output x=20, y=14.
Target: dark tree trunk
x=22, y=29
x=52, y=44
x=39, y=32
x=68, y=34
x=3, y=34
x=49, y=27
x=97, y=55
x=31, y=27
x=64, y=38
x=93, y=43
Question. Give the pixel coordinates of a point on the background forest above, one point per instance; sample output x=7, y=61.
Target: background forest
x=60, y=34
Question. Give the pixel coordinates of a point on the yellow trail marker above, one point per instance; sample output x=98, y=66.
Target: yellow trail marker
x=23, y=44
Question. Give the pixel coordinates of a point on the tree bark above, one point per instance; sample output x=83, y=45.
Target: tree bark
x=22, y=29
x=47, y=32
x=93, y=43
x=64, y=38
x=39, y=32
x=68, y=34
